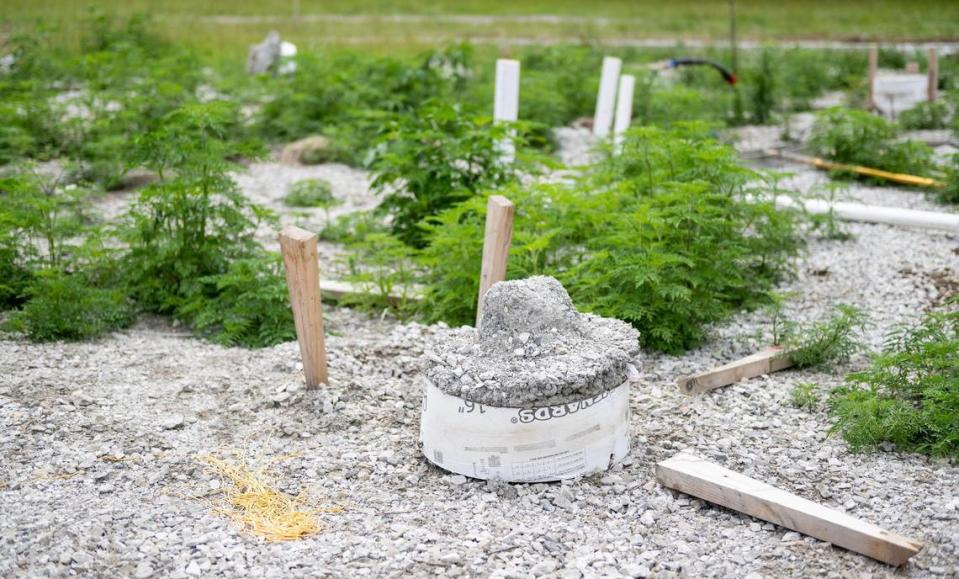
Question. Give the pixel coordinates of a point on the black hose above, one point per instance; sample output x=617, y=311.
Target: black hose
x=729, y=77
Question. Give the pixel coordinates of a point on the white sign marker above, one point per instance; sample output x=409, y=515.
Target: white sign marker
x=606, y=99
x=506, y=100
x=624, y=109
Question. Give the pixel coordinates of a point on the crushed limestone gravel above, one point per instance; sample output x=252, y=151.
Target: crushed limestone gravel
x=98, y=475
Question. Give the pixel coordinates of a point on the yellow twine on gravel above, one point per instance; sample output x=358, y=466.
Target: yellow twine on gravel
x=254, y=502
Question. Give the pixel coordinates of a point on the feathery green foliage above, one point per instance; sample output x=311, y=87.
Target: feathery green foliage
x=192, y=251
x=310, y=193
x=925, y=115
x=247, y=305
x=428, y=162
x=860, y=138
x=763, y=94
x=828, y=342
x=62, y=306
x=660, y=236
x=803, y=395
x=910, y=394
x=950, y=193
x=55, y=270
x=384, y=267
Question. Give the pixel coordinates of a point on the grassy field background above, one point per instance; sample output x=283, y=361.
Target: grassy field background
x=390, y=25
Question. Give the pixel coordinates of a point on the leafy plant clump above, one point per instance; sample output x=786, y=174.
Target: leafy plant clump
x=56, y=274
x=860, y=138
x=662, y=236
x=430, y=161
x=828, y=342
x=925, y=115
x=310, y=193
x=192, y=251
x=60, y=306
x=910, y=395
x=950, y=193
x=803, y=395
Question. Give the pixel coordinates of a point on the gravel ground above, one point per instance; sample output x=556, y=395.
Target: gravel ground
x=99, y=476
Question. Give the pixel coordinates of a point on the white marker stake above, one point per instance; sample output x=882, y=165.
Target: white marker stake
x=624, y=109
x=606, y=99
x=506, y=101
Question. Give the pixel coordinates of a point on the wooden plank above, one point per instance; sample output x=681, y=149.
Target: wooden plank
x=871, y=81
x=847, y=211
x=771, y=359
x=933, y=72
x=694, y=476
x=298, y=247
x=499, y=234
x=624, y=108
x=606, y=98
x=337, y=290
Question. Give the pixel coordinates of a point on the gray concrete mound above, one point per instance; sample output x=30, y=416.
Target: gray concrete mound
x=532, y=349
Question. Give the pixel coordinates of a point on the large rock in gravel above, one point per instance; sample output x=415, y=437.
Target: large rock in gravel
x=307, y=151
x=532, y=348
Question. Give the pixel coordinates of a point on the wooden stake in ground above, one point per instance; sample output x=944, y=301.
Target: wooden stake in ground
x=506, y=101
x=624, y=109
x=694, y=476
x=606, y=99
x=871, y=82
x=770, y=360
x=933, y=71
x=499, y=234
x=303, y=278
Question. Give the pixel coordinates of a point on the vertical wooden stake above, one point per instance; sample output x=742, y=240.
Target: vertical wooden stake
x=933, y=71
x=506, y=101
x=499, y=234
x=624, y=109
x=606, y=99
x=873, y=66
x=303, y=278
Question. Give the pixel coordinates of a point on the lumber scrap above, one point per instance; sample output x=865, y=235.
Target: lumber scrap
x=932, y=86
x=695, y=476
x=336, y=290
x=871, y=81
x=901, y=178
x=772, y=359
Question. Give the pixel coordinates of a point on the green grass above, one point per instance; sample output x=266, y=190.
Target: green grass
x=195, y=22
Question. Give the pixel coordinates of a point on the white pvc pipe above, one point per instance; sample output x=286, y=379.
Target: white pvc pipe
x=624, y=109
x=506, y=101
x=606, y=99
x=874, y=214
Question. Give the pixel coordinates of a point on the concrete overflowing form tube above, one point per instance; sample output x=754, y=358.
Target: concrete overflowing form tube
x=537, y=392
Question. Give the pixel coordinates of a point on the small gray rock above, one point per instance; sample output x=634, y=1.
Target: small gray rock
x=172, y=421
x=143, y=571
